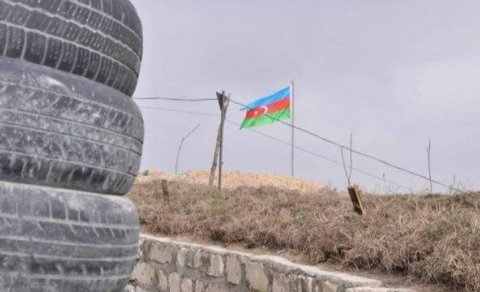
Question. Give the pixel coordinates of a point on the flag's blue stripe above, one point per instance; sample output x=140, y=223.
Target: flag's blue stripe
x=269, y=99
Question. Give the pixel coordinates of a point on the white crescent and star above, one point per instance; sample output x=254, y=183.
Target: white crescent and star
x=266, y=110
x=259, y=113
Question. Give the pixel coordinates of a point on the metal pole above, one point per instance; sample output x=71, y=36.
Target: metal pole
x=292, y=109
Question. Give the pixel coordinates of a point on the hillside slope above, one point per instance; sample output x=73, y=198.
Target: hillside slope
x=434, y=239
x=234, y=179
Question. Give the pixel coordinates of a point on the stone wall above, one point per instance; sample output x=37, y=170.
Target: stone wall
x=166, y=265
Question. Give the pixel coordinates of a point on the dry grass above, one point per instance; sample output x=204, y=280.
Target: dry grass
x=432, y=238
x=234, y=179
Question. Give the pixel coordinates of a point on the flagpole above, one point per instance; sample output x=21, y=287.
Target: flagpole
x=292, y=89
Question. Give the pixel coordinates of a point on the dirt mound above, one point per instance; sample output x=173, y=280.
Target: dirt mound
x=234, y=179
x=153, y=174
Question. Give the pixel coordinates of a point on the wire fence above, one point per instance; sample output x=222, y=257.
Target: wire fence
x=382, y=179
x=176, y=99
x=360, y=153
x=279, y=140
x=307, y=132
x=180, y=111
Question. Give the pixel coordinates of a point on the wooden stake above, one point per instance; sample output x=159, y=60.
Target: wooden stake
x=226, y=102
x=166, y=195
x=223, y=102
x=215, y=161
x=356, y=198
x=353, y=191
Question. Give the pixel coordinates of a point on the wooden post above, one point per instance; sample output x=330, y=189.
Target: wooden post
x=223, y=102
x=356, y=198
x=224, y=108
x=166, y=195
x=353, y=191
x=214, y=162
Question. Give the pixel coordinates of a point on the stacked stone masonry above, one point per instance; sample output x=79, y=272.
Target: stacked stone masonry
x=166, y=265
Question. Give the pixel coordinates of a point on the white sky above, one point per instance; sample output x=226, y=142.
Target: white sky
x=393, y=73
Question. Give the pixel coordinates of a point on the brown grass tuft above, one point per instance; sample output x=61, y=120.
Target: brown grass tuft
x=432, y=238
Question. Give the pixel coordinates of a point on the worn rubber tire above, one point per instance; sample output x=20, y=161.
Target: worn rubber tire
x=60, y=240
x=97, y=39
x=61, y=130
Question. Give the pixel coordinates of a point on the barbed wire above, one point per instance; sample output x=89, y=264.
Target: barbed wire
x=398, y=185
x=175, y=99
x=179, y=111
x=305, y=131
x=322, y=156
x=360, y=153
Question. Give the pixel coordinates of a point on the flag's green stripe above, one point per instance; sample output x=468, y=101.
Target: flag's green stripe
x=267, y=119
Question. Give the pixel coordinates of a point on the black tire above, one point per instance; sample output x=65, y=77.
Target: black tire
x=61, y=130
x=61, y=240
x=97, y=39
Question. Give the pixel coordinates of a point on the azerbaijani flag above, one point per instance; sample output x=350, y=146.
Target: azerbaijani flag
x=268, y=110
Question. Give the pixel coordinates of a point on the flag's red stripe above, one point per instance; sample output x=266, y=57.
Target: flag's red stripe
x=274, y=107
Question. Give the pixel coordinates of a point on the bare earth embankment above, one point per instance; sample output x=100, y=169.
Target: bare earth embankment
x=434, y=239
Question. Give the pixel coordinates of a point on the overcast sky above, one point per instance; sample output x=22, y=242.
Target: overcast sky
x=393, y=73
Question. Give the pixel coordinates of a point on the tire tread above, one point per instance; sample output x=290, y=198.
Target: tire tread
x=41, y=243
x=64, y=135
x=67, y=37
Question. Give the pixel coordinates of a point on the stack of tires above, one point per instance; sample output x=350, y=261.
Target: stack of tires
x=70, y=144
